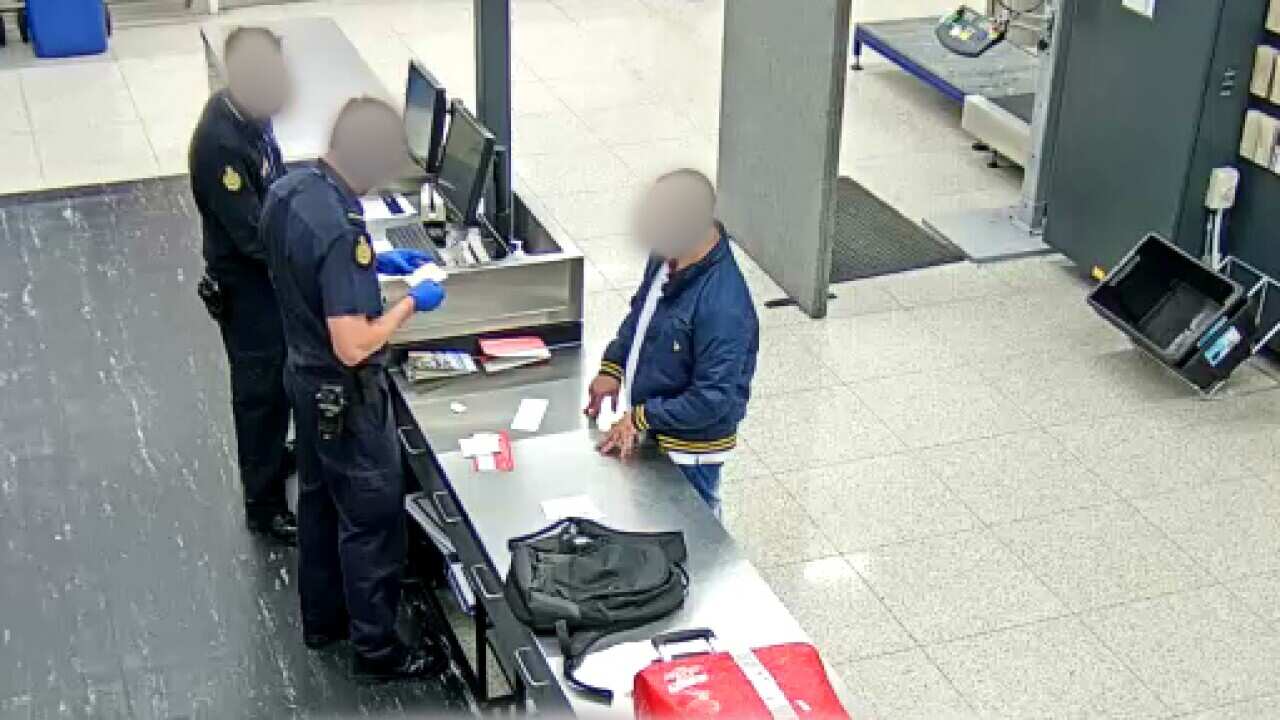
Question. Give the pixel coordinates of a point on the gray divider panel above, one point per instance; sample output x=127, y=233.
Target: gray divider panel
x=782, y=101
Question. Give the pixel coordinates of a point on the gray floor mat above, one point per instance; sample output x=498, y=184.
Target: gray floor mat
x=873, y=239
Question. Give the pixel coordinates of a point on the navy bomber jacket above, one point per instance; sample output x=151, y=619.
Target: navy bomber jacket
x=693, y=378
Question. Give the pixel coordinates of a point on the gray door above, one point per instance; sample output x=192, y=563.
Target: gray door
x=1132, y=101
x=781, y=105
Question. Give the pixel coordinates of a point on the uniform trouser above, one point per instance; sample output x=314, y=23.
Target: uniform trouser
x=351, y=533
x=254, y=338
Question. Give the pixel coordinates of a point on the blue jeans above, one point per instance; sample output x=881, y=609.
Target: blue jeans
x=706, y=480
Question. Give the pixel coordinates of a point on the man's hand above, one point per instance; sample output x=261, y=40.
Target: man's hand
x=623, y=438
x=604, y=386
x=401, y=262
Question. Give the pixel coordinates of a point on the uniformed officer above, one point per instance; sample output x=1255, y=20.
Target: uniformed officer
x=234, y=158
x=350, y=505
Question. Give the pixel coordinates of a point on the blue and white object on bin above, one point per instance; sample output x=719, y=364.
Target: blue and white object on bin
x=63, y=28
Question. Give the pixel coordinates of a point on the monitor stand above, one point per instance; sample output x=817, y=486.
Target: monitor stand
x=430, y=205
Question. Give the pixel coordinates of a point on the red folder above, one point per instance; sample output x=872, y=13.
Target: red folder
x=526, y=346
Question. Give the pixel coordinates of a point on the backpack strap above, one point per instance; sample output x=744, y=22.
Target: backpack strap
x=522, y=539
x=572, y=650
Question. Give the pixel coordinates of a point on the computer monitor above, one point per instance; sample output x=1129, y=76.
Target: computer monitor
x=424, y=116
x=464, y=169
x=496, y=220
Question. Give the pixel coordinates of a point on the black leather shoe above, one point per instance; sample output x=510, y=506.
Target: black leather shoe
x=421, y=662
x=283, y=527
x=320, y=641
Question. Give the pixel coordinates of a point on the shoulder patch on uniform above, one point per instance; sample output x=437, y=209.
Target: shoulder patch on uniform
x=364, y=252
x=231, y=179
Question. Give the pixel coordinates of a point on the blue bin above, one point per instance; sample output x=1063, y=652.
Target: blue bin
x=62, y=28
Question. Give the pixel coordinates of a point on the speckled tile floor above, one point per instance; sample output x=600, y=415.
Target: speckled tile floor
x=979, y=500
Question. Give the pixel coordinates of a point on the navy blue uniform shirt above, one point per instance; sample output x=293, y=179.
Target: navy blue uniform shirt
x=322, y=264
x=233, y=159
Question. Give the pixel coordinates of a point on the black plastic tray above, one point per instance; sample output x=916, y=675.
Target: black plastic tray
x=1165, y=299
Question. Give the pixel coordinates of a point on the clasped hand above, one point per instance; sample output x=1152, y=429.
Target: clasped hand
x=623, y=438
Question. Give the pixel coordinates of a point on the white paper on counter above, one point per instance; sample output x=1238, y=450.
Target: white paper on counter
x=529, y=415
x=581, y=506
x=480, y=444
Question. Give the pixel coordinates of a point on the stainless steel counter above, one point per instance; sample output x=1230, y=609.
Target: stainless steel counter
x=726, y=593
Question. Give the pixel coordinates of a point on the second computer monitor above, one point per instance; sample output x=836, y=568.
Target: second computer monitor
x=424, y=116
x=464, y=169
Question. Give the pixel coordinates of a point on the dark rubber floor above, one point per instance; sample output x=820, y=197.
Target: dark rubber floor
x=129, y=587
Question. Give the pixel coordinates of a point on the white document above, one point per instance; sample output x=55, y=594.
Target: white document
x=608, y=416
x=487, y=463
x=581, y=506
x=529, y=415
x=430, y=271
x=480, y=444
x=1142, y=7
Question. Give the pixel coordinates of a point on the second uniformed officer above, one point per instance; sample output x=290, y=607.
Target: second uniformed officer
x=350, y=505
x=234, y=159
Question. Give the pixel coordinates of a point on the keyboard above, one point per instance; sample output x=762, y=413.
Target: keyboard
x=413, y=235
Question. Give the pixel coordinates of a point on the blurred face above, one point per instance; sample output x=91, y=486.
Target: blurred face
x=673, y=218
x=371, y=147
x=257, y=77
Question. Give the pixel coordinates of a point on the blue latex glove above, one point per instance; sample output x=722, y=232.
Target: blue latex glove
x=426, y=295
x=401, y=262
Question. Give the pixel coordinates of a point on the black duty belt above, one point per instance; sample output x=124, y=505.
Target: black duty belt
x=361, y=385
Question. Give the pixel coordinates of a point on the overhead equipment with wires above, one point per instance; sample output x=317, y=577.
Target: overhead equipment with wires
x=969, y=33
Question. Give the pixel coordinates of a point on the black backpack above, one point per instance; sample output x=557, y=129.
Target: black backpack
x=584, y=581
